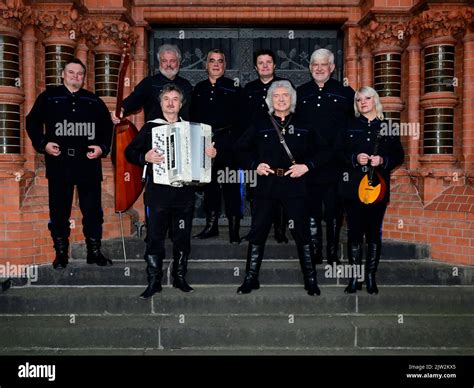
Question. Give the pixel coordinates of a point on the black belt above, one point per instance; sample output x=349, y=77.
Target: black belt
x=280, y=171
x=73, y=152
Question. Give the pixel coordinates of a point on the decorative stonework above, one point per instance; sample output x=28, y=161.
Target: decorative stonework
x=388, y=33
x=436, y=24
x=17, y=16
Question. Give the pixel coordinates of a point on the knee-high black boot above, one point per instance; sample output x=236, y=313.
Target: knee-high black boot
x=180, y=266
x=308, y=269
x=279, y=224
x=331, y=248
x=212, y=226
x=154, y=271
x=254, y=261
x=354, y=253
x=234, y=229
x=373, y=258
x=316, y=240
x=94, y=255
x=61, y=246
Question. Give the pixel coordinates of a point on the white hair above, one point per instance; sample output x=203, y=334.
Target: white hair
x=169, y=48
x=322, y=54
x=281, y=84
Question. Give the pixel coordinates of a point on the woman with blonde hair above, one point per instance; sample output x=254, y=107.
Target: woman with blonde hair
x=370, y=152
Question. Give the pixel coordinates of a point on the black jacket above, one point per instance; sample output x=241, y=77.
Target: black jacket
x=146, y=95
x=218, y=105
x=74, y=121
x=328, y=110
x=261, y=144
x=156, y=195
x=360, y=138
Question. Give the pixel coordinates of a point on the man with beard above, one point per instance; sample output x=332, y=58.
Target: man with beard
x=146, y=94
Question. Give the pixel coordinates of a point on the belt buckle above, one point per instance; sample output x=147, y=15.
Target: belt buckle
x=71, y=152
x=280, y=172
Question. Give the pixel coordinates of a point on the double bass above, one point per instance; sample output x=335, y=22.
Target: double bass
x=128, y=176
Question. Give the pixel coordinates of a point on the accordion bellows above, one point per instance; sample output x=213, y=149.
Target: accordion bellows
x=183, y=144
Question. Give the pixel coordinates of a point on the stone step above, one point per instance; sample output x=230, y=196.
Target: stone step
x=404, y=272
x=236, y=331
x=277, y=300
x=219, y=248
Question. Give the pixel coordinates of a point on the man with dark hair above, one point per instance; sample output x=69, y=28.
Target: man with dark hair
x=72, y=128
x=216, y=102
x=325, y=105
x=253, y=108
x=166, y=207
x=146, y=94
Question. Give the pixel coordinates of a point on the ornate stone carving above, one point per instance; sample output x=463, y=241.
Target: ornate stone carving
x=389, y=33
x=435, y=24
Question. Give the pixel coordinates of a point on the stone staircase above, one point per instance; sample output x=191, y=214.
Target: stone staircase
x=423, y=308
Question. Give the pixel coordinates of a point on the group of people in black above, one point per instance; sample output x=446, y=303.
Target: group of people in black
x=309, y=146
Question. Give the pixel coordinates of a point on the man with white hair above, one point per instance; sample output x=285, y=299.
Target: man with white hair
x=326, y=105
x=146, y=94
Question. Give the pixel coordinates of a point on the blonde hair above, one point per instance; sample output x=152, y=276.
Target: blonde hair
x=368, y=91
x=281, y=84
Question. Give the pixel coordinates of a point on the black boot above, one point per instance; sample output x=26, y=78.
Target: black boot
x=332, y=246
x=154, y=271
x=354, y=253
x=373, y=258
x=180, y=267
x=279, y=224
x=316, y=240
x=212, y=227
x=254, y=261
x=94, y=255
x=309, y=271
x=234, y=229
x=61, y=246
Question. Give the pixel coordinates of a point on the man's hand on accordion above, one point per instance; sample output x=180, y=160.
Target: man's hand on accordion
x=211, y=151
x=153, y=156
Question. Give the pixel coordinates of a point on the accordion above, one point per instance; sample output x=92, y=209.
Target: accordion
x=183, y=145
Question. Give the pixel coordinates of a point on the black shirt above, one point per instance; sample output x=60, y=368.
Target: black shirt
x=74, y=121
x=146, y=95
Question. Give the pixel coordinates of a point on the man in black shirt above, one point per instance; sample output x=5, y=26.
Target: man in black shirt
x=253, y=108
x=326, y=105
x=72, y=128
x=216, y=102
x=146, y=94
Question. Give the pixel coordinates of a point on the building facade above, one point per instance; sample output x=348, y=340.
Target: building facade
x=418, y=54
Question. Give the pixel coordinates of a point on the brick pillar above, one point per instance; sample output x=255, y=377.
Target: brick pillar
x=81, y=54
x=29, y=87
x=367, y=67
x=351, y=65
x=414, y=87
x=468, y=103
x=139, y=64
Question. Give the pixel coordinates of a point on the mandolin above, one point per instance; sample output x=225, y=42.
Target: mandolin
x=128, y=176
x=372, y=186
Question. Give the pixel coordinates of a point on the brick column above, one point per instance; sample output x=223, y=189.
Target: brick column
x=468, y=103
x=81, y=53
x=29, y=87
x=367, y=66
x=414, y=87
x=351, y=65
x=139, y=64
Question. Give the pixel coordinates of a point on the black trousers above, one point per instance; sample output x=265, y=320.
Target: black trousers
x=364, y=220
x=60, y=203
x=324, y=202
x=213, y=192
x=262, y=219
x=178, y=218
